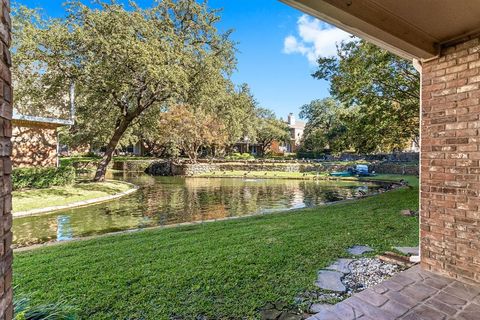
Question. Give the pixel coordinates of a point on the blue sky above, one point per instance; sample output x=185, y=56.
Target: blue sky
x=277, y=49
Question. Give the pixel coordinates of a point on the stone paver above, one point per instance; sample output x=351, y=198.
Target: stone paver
x=341, y=265
x=319, y=307
x=358, y=250
x=330, y=280
x=411, y=251
x=410, y=295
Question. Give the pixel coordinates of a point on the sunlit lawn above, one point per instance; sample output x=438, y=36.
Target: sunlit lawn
x=58, y=196
x=224, y=270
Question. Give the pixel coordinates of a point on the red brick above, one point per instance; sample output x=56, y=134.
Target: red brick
x=6, y=291
x=450, y=163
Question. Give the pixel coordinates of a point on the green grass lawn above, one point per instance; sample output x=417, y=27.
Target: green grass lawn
x=224, y=270
x=58, y=196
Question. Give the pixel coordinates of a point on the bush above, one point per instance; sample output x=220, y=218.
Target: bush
x=38, y=178
x=310, y=155
x=240, y=156
x=23, y=310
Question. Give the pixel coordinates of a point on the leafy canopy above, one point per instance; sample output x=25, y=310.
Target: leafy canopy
x=383, y=90
x=124, y=62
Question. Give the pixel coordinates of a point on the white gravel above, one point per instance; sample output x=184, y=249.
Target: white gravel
x=368, y=272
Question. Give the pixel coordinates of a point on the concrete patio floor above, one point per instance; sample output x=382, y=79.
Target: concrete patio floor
x=410, y=295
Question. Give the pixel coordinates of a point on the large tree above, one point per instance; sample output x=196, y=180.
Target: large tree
x=269, y=129
x=326, y=128
x=384, y=90
x=184, y=130
x=239, y=115
x=126, y=63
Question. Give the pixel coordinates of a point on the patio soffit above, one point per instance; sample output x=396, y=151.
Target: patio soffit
x=410, y=28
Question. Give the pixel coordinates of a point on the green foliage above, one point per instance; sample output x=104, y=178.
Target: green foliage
x=24, y=310
x=128, y=64
x=382, y=91
x=207, y=269
x=38, y=178
x=240, y=156
x=183, y=131
x=326, y=128
x=269, y=129
x=239, y=115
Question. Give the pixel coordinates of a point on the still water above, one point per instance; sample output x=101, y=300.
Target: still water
x=170, y=200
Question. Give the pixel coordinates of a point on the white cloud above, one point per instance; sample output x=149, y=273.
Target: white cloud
x=315, y=38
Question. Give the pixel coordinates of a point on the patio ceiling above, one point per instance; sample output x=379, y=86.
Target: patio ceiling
x=409, y=28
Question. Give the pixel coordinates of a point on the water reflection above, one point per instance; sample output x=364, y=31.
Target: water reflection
x=171, y=200
x=64, y=228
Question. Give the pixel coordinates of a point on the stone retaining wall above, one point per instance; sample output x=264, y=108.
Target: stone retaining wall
x=395, y=168
x=132, y=165
x=165, y=168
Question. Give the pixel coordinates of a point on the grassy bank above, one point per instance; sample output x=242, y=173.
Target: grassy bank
x=301, y=175
x=25, y=200
x=262, y=174
x=223, y=270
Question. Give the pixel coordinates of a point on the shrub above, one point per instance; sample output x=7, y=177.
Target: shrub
x=38, y=178
x=240, y=156
x=310, y=155
x=23, y=310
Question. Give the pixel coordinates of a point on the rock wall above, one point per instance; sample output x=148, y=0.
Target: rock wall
x=132, y=165
x=166, y=168
x=395, y=168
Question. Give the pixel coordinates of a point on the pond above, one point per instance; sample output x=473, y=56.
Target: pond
x=162, y=201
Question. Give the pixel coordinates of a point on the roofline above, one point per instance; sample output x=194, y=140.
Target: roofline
x=415, y=45
x=60, y=122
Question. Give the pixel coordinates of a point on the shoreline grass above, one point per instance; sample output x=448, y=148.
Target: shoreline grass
x=220, y=270
x=31, y=199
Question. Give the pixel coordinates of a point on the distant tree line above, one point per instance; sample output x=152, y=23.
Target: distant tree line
x=374, y=104
x=160, y=75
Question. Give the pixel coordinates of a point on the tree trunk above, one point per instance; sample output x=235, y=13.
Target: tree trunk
x=261, y=149
x=112, y=145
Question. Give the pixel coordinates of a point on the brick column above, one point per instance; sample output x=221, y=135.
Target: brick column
x=450, y=184
x=6, y=294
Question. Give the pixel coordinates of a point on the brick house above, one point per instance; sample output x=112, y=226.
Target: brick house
x=296, y=128
x=443, y=40
x=35, y=141
x=296, y=133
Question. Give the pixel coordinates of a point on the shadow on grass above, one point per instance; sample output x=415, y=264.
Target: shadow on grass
x=100, y=187
x=44, y=193
x=81, y=187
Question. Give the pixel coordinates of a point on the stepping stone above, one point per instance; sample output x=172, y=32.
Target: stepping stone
x=358, y=250
x=270, y=314
x=330, y=280
x=290, y=316
x=319, y=307
x=341, y=265
x=409, y=251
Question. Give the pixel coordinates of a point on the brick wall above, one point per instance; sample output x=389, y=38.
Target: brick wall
x=450, y=185
x=6, y=293
x=34, y=145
